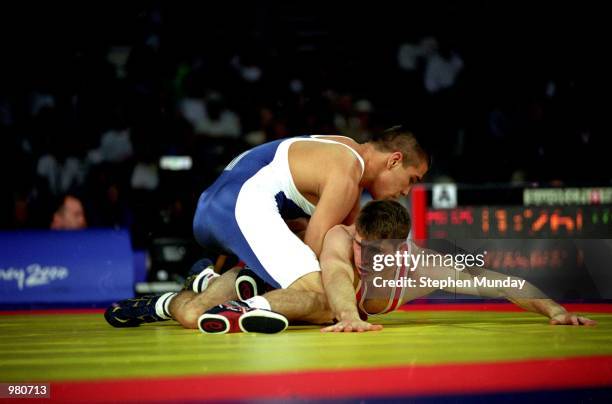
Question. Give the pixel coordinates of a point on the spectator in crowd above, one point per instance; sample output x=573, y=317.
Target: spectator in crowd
x=352, y=119
x=68, y=214
x=211, y=118
x=442, y=67
x=99, y=114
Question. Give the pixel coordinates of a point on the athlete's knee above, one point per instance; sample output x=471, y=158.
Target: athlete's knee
x=316, y=308
x=320, y=306
x=320, y=317
x=185, y=309
x=188, y=315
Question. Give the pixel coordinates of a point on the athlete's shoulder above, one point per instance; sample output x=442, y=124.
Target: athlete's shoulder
x=340, y=233
x=337, y=244
x=330, y=156
x=347, y=152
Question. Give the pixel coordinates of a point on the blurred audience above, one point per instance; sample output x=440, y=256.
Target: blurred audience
x=69, y=214
x=98, y=117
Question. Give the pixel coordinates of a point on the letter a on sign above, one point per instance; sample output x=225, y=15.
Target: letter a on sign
x=444, y=196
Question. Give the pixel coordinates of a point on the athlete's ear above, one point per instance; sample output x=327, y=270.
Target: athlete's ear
x=395, y=159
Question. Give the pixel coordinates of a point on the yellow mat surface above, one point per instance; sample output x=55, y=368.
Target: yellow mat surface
x=50, y=347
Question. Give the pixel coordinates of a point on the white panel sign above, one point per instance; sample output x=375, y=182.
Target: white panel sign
x=444, y=196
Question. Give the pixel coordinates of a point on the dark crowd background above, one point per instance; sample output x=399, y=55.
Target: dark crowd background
x=93, y=94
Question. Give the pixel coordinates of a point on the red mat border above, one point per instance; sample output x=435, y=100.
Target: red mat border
x=541, y=374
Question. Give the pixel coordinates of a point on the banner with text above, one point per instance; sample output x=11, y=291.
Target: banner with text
x=65, y=266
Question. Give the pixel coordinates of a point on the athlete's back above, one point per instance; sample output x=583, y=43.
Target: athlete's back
x=243, y=211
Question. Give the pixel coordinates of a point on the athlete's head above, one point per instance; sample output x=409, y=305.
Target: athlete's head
x=380, y=220
x=405, y=163
x=69, y=214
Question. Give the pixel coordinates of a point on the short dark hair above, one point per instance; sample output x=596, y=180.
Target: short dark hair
x=383, y=219
x=397, y=138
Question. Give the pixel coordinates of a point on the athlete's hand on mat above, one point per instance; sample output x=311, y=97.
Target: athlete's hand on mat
x=571, y=319
x=356, y=325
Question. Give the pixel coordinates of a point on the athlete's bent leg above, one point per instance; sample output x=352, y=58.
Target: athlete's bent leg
x=296, y=305
x=303, y=300
x=187, y=306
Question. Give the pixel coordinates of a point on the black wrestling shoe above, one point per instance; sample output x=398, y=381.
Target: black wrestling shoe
x=249, y=285
x=133, y=312
x=199, y=276
x=233, y=316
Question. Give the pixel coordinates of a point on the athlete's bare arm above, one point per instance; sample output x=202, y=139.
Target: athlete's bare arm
x=524, y=298
x=352, y=216
x=327, y=175
x=338, y=195
x=338, y=277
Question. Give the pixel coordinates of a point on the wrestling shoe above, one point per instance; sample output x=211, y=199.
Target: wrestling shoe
x=236, y=316
x=200, y=275
x=249, y=285
x=136, y=311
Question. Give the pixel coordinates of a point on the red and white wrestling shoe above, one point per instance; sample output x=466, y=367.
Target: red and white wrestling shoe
x=248, y=284
x=236, y=316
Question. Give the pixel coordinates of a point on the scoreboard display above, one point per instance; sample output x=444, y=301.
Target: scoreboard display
x=520, y=213
x=521, y=222
x=559, y=239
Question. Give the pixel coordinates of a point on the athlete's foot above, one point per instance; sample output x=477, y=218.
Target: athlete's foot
x=239, y=317
x=200, y=275
x=136, y=311
x=249, y=285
